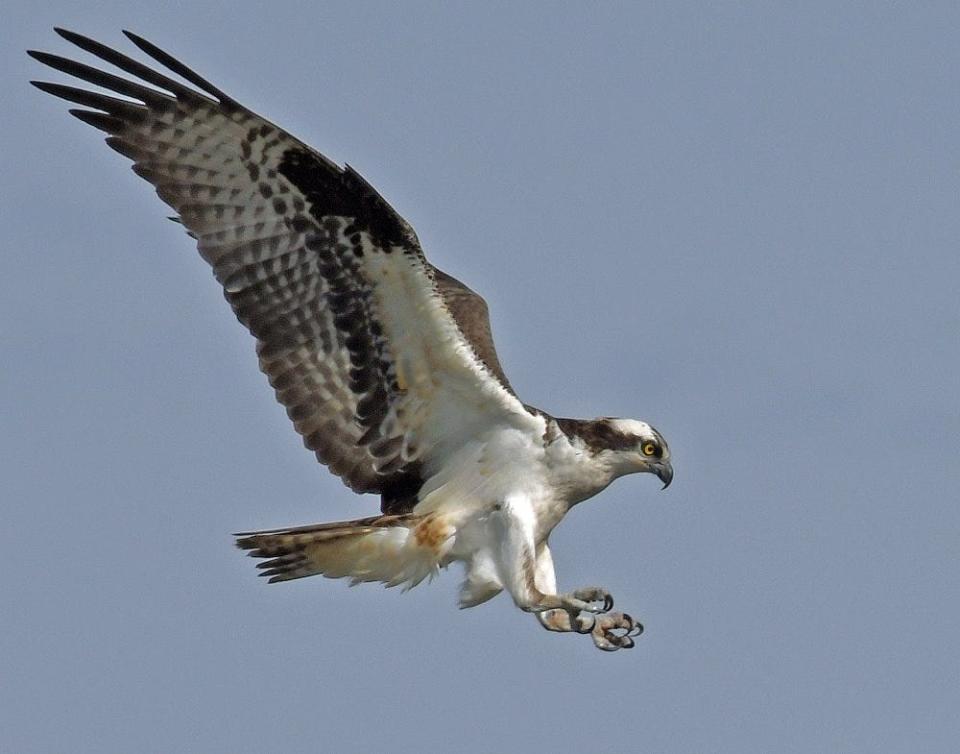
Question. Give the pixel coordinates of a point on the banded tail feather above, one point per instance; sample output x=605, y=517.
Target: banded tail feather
x=392, y=549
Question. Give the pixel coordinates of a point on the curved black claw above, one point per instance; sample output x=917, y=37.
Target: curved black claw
x=591, y=594
x=615, y=631
x=637, y=628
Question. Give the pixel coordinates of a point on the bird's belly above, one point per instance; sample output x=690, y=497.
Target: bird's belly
x=473, y=535
x=478, y=532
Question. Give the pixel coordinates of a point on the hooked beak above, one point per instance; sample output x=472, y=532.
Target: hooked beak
x=664, y=470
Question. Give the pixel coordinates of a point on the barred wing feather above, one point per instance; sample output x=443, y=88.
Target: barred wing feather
x=383, y=363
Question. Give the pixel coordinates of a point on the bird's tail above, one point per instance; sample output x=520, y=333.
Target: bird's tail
x=398, y=549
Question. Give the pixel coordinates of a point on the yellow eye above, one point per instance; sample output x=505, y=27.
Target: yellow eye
x=649, y=448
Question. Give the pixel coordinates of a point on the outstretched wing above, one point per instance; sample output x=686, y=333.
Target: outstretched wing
x=384, y=363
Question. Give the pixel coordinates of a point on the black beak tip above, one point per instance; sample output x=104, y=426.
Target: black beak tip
x=665, y=473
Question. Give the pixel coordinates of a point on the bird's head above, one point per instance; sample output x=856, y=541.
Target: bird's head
x=632, y=446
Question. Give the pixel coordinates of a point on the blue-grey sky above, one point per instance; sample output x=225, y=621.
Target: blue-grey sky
x=738, y=221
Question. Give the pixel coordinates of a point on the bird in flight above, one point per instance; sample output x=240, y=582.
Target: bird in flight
x=384, y=363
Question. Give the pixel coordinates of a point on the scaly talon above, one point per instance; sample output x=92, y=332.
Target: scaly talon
x=636, y=629
x=605, y=632
x=567, y=620
x=587, y=611
x=588, y=595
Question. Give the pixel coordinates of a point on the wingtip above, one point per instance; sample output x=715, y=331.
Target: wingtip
x=70, y=36
x=98, y=120
x=45, y=86
x=139, y=41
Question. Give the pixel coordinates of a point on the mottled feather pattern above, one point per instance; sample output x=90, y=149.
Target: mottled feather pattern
x=370, y=349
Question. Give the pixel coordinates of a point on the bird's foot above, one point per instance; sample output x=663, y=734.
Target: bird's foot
x=615, y=631
x=566, y=621
x=610, y=632
x=591, y=599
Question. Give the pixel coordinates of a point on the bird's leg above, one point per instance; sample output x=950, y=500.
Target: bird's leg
x=526, y=571
x=516, y=563
x=557, y=619
x=610, y=632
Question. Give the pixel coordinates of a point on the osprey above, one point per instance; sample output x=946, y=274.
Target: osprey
x=385, y=364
